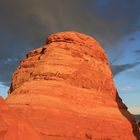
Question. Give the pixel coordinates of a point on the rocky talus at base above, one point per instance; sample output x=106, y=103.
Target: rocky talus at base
x=64, y=91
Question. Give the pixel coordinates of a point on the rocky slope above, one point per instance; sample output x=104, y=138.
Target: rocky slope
x=66, y=92
x=137, y=118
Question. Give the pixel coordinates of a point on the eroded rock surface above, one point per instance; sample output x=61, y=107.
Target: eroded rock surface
x=13, y=126
x=66, y=92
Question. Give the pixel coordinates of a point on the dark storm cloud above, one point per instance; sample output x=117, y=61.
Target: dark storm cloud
x=137, y=52
x=25, y=24
x=131, y=38
x=6, y=70
x=116, y=69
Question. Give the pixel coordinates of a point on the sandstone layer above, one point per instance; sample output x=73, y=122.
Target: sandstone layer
x=66, y=92
x=13, y=126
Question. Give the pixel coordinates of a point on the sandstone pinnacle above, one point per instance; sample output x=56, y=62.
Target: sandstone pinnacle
x=66, y=91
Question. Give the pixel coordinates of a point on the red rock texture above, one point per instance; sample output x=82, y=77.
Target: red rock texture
x=65, y=91
x=13, y=126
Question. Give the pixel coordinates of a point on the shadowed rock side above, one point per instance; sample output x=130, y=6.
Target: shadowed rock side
x=65, y=90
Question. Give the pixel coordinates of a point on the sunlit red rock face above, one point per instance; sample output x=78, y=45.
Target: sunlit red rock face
x=13, y=126
x=65, y=90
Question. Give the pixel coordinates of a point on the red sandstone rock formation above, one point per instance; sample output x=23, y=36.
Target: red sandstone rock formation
x=66, y=92
x=13, y=126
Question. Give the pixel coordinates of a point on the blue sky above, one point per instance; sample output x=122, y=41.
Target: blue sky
x=127, y=82
x=3, y=90
x=115, y=24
